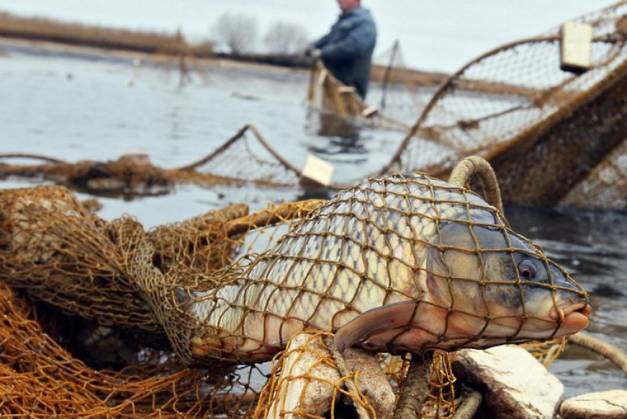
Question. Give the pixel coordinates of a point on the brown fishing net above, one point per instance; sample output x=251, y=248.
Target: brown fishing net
x=62, y=255
x=328, y=93
x=392, y=265
x=513, y=105
x=40, y=378
x=514, y=102
x=605, y=185
x=515, y=119
x=134, y=174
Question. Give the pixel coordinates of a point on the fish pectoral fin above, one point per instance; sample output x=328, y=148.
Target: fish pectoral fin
x=375, y=321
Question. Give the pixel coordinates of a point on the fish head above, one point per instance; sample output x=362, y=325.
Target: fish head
x=479, y=285
x=498, y=287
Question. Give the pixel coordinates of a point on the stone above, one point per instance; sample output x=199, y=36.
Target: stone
x=599, y=405
x=371, y=380
x=306, y=380
x=308, y=356
x=514, y=384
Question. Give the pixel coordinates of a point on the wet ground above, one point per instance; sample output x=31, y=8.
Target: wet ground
x=80, y=106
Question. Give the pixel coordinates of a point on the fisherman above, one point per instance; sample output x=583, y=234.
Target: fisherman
x=347, y=49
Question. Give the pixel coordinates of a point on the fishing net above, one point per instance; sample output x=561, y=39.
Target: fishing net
x=605, y=185
x=403, y=92
x=514, y=102
x=130, y=174
x=226, y=291
x=62, y=255
x=40, y=378
x=134, y=174
x=568, y=152
x=502, y=104
x=330, y=94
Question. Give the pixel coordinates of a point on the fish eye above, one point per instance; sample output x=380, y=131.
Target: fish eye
x=527, y=270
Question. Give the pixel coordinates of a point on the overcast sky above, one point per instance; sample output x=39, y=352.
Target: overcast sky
x=434, y=34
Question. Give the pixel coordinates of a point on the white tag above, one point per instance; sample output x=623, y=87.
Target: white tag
x=576, y=47
x=318, y=170
x=369, y=112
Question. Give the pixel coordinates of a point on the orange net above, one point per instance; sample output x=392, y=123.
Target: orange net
x=40, y=378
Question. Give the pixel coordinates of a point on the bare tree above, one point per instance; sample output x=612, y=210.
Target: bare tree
x=286, y=38
x=236, y=31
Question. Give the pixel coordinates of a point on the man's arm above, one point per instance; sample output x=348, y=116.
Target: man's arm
x=322, y=41
x=355, y=44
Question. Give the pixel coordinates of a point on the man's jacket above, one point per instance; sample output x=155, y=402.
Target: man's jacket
x=347, y=50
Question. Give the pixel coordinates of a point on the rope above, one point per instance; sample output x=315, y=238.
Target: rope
x=475, y=165
x=471, y=400
x=31, y=156
x=610, y=352
x=415, y=389
x=345, y=372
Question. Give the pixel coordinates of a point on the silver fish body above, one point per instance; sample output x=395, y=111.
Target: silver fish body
x=394, y=264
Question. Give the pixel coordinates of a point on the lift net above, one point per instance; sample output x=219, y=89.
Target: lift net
x=188, y=315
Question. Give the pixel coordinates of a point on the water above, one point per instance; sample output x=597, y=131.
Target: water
x=87, y=107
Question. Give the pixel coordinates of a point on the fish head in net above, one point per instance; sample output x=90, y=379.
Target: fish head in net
x=496, y=286
x=468, y=279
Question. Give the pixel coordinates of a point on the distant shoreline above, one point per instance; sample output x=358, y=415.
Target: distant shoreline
x=158, y=48
x=58, y=35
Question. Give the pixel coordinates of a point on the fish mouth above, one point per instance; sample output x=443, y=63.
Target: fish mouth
x=573, y=317
x=561, y=321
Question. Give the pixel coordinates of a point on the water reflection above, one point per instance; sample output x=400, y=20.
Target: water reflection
x=340, y=135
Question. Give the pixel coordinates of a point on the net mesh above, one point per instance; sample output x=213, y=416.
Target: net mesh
x=41, y=378
x=517, y=88
x=134, y=174
x=605, y=185
x=198, y=309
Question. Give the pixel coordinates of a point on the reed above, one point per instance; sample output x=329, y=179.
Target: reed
x=42, y=29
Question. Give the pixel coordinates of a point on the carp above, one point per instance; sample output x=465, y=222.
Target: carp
x=394, y=264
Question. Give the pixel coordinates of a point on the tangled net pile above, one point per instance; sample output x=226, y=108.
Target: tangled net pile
x=171, y=311
x=78, y=263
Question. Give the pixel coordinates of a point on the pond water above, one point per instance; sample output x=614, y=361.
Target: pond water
x=82, y=106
